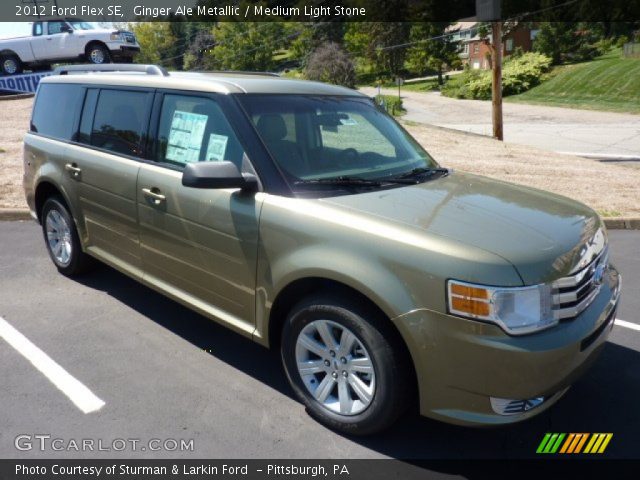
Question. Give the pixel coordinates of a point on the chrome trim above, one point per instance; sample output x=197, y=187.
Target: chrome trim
x=507, y=406
x=582, y=281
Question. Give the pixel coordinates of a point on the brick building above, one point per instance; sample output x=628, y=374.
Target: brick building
x=475, y=52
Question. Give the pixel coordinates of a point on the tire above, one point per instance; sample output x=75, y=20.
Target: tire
x=98, y=54
x=62, y=240
x=11, y=65
x=373, y=401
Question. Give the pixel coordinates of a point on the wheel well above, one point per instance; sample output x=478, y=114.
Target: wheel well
x=10, y=53
x=44, y=191
x=297, y=290
x=94, y=42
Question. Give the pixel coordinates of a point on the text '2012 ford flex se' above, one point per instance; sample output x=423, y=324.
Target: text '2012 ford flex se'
x=305, y=218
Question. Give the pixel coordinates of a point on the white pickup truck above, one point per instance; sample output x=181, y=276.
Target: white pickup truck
x=65, y=40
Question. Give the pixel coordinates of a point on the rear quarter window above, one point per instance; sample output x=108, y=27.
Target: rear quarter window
x=56, y=110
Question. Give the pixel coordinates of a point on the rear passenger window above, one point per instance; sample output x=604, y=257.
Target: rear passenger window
x=194, y=129
x=119, y=121
x=49, y=117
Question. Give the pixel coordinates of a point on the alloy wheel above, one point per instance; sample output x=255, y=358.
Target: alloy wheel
x=335, y=367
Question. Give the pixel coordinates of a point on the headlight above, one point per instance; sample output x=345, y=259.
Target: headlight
x=517, y=310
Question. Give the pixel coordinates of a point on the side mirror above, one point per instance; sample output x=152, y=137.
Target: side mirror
x=66, y=28
x=217, y=175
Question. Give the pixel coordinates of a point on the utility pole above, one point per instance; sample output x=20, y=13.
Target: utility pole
x=490, y=11
x=496, y=85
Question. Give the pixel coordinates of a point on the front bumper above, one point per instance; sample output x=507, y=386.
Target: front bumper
x=462, y=364
x=119, y=50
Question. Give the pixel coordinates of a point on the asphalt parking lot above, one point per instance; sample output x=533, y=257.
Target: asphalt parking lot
x=163, y=372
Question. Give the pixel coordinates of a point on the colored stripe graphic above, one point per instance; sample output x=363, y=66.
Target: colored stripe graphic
x=574, y=443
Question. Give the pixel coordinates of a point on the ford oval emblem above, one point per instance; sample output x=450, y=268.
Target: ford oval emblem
x=598, y=275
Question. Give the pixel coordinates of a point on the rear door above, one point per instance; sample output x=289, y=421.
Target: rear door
x=198, y=245
x=104, y=163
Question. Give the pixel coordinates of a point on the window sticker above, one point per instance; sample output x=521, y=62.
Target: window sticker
x=217, y=148
x=185, y=136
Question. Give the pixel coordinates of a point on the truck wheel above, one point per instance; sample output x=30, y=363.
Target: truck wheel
x=345, y=364
x=62, y=240
x=98, y=54
x=11, y=65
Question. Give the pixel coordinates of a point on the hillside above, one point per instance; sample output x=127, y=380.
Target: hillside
x=609, y=82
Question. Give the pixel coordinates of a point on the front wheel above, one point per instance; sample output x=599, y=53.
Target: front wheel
x=345, y=364
x=62, y=240
x=98, y=54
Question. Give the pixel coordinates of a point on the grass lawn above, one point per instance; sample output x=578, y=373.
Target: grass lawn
x=609, y=82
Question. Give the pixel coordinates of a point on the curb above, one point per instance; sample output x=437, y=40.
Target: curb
x=19, y=96
x=621, y=223
x=14, y=214
x=612, y=223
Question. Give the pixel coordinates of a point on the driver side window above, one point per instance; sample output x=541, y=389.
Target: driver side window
x=56, y=27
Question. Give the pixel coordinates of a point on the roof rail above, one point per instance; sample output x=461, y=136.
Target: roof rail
x=239, y=72
x=112, y=67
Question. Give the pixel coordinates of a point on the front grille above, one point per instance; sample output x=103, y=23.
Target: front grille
x=129, y=37
x=572, y=295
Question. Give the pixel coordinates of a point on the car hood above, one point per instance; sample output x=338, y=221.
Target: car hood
x=543, y=235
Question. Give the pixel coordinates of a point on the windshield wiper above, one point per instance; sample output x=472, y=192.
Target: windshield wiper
x=346, y=181
x=419, y=173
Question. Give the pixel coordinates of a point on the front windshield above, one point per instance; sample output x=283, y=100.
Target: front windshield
x=324, y=137
x=80, y=25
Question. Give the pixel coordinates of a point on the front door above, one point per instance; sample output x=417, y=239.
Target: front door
x=198, y=245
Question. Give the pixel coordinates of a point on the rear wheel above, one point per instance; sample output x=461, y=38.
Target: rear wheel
x=98, y=54
x=11, y=65
x=345, y=365
x=62, y=240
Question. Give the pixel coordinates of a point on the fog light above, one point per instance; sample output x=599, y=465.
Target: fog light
x=507, y=406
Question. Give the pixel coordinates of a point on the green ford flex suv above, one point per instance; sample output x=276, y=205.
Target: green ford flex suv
x=305, y=218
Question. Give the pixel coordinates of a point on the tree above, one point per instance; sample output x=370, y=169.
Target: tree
x=156, y=40
x=330, y=63
x=306, y=36
x=195, y=57
x=380, y=44
x=568, y=41
x=245, y=45
x=431, y=54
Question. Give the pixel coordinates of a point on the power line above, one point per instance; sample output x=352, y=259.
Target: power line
x=510, y=19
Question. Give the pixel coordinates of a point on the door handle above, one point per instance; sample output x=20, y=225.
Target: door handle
x=73, y=169
x=149, y=193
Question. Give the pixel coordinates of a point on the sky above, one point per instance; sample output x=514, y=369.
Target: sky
x=14, y=29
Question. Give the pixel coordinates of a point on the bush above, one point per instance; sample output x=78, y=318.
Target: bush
x=330, y=63
x=519, y=74
x=621, y=41
x=391, y=104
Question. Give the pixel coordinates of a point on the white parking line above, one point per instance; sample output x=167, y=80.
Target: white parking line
x=623, y=323
x=80, y=395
